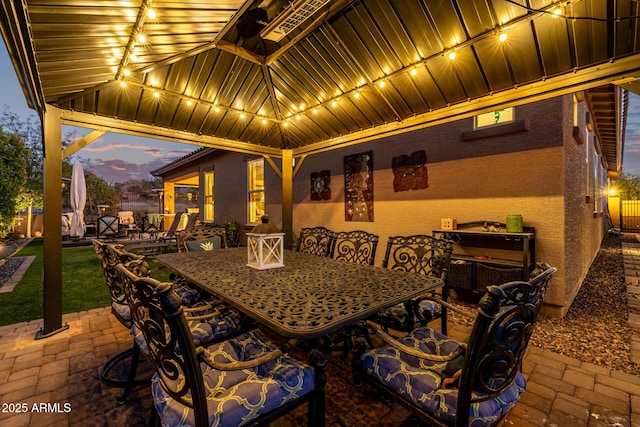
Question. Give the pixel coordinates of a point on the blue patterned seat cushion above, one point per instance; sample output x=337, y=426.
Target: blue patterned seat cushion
x=398, y=318
x=187, y=294
x=237, y=397
x=419, y=381
x=121, y=310
x=226, y=321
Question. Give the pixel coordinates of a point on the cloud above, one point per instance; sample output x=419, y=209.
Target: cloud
x=104, y=147
x=114, y=171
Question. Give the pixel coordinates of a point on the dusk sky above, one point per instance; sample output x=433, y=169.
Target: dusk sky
x=118, y=158
x=114, y=157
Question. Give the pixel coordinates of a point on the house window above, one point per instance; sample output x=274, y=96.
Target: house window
x=256, y=190
x=208, y=197
x=504, y=115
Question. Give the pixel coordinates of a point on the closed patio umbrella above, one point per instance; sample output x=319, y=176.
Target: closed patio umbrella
x=78, y=195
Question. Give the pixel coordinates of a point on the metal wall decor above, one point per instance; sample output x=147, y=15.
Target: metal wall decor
x=320, y=189
x=410, y=172
x=358, y=186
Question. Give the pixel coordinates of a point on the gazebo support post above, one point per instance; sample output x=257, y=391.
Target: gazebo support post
x=287, y=197
x=52, y=153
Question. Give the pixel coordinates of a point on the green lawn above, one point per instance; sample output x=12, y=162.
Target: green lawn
x=83, y=285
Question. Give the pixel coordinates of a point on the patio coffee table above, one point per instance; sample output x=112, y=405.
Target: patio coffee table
x=309, y=297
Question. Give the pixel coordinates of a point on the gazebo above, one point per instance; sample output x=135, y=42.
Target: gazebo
x=286, y=80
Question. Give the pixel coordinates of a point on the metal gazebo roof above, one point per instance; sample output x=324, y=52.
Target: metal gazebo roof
x=310, y=75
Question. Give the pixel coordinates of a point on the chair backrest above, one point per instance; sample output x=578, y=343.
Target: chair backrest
x=354, y=246
x=499, y=339
x=126, y=217
x=419, y=253
x=108, y=225
x=157, y=313
x=109, y=256
x=201, y=232
x=171, y=231
x=315, y=241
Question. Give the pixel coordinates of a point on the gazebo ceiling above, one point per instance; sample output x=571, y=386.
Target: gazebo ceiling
x=209, y=73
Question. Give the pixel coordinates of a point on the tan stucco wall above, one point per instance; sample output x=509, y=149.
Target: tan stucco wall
x=540, y=173
x=545, y=184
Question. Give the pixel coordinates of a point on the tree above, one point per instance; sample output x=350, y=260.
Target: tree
x=13, y=177
x=30, y=133
x=628, y=186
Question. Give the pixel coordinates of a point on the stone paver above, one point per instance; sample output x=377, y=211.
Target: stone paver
x=63, y=369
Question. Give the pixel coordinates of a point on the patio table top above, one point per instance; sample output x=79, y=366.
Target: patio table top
x=309, y=297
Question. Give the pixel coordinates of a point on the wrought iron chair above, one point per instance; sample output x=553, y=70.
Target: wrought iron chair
x=421, y=254
x=108, y=226
x=121, y=311
x=244, y=380
x=354, y=246
x=358, y=247
x=474, y=382
x=208, y=322
x=195, y=237
x=315, y=241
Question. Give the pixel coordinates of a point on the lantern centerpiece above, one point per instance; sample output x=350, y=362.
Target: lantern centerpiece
x=265, y=246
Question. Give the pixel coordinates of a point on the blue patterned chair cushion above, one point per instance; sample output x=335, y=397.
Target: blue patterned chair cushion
x=419, y=381
x=228, y=322
x=121, y=310
x=398, y=318
x=237, y=397
x=187, y=294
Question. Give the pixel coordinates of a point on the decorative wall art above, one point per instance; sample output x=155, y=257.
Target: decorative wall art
x=358, y=185
x=410, y=172
x=320, y=189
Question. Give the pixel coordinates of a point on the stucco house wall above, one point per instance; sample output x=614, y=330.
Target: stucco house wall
x=535, y=167
x=539, y=173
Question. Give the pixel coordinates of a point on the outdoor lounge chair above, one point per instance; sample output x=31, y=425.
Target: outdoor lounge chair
x=244, y=380
x=193, y=238
x=474, y=382
x=168, y=239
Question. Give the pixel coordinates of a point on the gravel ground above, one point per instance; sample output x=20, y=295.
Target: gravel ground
x=595, y=329
x=8, y=267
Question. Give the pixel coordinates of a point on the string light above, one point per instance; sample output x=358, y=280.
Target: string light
x=502, y=37
x=451, y=55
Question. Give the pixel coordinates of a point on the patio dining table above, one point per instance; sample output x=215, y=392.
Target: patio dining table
x=309, y=297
